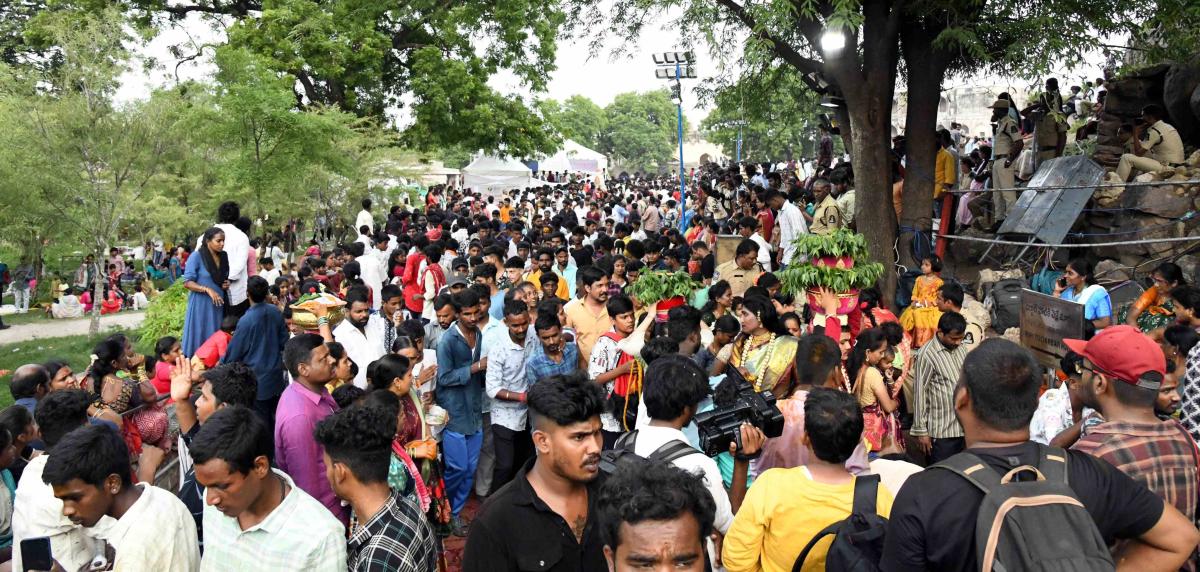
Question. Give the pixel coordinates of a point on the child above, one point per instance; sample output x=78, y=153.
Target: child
x=921, y=317
x=213, y=349
x=166, y=350
x=140, y=301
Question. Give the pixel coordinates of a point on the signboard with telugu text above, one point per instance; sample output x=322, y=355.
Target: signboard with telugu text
x=1045, y=322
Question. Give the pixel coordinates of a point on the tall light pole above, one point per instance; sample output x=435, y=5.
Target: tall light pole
x=677, y=66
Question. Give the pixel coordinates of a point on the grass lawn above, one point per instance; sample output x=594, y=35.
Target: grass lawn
x=74, y=349
x=30, y=317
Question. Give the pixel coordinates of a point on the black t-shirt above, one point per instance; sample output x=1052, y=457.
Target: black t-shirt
x=932, y=524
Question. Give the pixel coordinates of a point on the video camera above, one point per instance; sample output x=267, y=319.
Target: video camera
x=722, y=426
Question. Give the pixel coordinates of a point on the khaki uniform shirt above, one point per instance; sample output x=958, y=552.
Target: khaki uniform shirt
x=739, y=280
x=1163, y=144
x=827, y=217
x=1007, y=135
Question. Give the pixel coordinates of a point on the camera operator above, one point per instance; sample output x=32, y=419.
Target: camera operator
x=675, y=386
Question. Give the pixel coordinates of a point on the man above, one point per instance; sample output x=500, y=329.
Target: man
x=827, y=217
x=29, y=384
x=564, y=264
x=651, y=217
x=393, y=534
x=1122, y=375
x=267, y=270
x=1007, y=146
x=673, y=389
x=36, y=511
x=460, y=378
x=514, y=267
x=945, y=173
x=655, y=517
x=237, y=248
x=256, y=518
x=445, y=313
x=21, y=275
x=932, y=523
x=372, y=264
x=936, y=368
x=1050, y=127
x=743, y=270
x=553, y=356
x=950, y=299
x=545, y=260
x=786, y=508
x=824, y=148
x=361, y=333
x=791, y=226
x=588, y=315
x=845, y=197
x=89, y=472
x=607, y=363
x=302, y=405
x=506, y=384
x=748, y=229
x=364, y=217
x=545, y=518
x=258, y=342
x=1156, y=145
x=485, y=274
x=491, y=331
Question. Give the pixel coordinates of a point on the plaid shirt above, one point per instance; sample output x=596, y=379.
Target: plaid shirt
x=539, y=366
x=1161, y=456
x=397, y=538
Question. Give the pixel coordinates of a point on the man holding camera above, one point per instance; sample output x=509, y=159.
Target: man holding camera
x=1156, y=145
x=1007, y=147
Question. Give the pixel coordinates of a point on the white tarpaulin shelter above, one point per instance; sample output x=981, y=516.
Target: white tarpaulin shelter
x=574, y=158
x=492, y=175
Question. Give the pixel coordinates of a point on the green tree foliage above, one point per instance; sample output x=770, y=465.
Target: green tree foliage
x=580, y=119
x=642, y=130
x=432, y=57
x=780, y=116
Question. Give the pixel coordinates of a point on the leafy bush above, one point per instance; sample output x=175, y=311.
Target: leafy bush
x=164, y=316
x=841, y=243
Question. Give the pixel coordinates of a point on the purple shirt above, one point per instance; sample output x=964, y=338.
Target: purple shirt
x=296, y=451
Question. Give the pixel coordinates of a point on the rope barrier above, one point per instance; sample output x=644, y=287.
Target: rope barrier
x=1072, y=245
x=1070, y=187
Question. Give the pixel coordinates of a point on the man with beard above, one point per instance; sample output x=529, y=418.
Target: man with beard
x=361, y=333
x=445, y=313
x=507, y=385
x=588, y=316
x=1123, y=370
x=545, y=266
x=546, y=517
x=460, y=378
x=554, y=355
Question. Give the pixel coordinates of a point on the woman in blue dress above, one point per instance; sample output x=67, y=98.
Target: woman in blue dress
x=1078, y=285
x=207, y=276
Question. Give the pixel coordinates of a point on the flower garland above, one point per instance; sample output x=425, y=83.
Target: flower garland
x=762, y=364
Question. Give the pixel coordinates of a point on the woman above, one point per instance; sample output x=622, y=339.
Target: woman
x=1154, y=309
x=616, y=278
x=207, y=276
x=881, y=425
x=411, y=344
x=109, y=380
x=720, y=302
x=1078, y=285
x=763, y=354
x=395, y=266
x=111, y=303
x=344, y=369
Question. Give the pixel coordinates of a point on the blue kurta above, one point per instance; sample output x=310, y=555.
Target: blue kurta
x=203, y=317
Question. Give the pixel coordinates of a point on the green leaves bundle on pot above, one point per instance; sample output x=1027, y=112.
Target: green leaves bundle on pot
x=836, y=261
x=661, y=285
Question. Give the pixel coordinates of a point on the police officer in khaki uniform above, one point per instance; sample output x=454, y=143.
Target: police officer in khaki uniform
x=743, y=271
x=1050, y=129
x=1007, y=145
x=828, y=216
x=1155, y=147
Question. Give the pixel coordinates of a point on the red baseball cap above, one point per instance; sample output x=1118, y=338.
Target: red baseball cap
x=1125, y=353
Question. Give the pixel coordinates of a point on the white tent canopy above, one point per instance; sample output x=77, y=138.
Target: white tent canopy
x=574, y=158
x=490, y=174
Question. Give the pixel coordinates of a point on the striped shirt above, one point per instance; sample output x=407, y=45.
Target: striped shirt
x=936, y=370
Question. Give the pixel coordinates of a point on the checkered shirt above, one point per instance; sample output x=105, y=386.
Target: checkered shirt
x=397, y=539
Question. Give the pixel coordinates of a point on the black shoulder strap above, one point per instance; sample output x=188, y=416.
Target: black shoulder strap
x=626, y=441
x=672, y=450
x=831, y=529
x=866, y=492
x=1053, y=464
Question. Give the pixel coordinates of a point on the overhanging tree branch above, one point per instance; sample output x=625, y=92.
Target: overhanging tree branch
x=781, y=47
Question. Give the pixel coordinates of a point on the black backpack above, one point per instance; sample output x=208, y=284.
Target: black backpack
x=1005, y=298
x=1031, y=525
x=858, y=540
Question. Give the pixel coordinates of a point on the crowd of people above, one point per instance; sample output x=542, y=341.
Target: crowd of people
x=339, y=407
